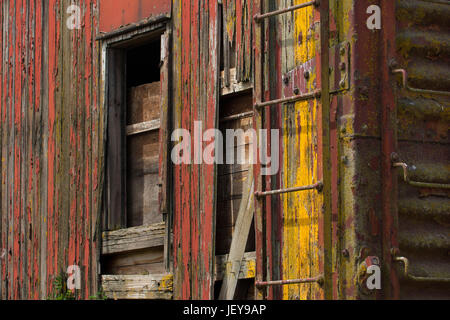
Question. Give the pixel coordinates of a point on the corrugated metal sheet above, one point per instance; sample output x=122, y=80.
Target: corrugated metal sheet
x=52, y=150
x=423, y=42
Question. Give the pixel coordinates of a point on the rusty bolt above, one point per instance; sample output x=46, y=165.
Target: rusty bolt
x=395, y=252
x=306, y=74
x=393, y=64
x=286, y=80
x=345, y=253
x=296, y=91
x=394, y=157
x=342, y=66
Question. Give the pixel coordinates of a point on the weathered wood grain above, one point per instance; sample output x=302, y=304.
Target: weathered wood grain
x=116, y=163
x=143, y=103
x=239, y=241
x=48, y=94
x=164, y=132
x=130, y=239
x=247, y=269
x=142, y=179
x=157, y=287
x=143, y=127
x=139, y=262
x=196, y=91
x=234, y=86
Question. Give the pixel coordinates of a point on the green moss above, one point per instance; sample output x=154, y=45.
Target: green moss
x=60, y=290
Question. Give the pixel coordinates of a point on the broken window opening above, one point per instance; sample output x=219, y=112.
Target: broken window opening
x=232, y=187
x=136, y=240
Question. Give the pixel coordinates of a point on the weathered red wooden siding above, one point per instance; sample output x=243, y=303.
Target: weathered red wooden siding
x=51, y=154
x=120, y=13
x=195, y=67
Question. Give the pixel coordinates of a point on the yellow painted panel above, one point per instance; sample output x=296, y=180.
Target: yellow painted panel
x=300, y=255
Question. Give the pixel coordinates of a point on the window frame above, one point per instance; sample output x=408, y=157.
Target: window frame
x=114, y=218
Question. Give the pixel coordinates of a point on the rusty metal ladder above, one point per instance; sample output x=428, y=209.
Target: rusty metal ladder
x=323, y=186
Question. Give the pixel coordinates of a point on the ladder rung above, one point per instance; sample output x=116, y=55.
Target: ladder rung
x=311, y=95
x=317, y=186
x=260, y=17
x=418, y=184
x=318, y=279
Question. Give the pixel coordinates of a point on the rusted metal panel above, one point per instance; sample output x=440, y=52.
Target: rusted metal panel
x=196, y=90
x=388, y=145
x=51, y=149
x=122, y=13
x=422, y=262
x=359, y=144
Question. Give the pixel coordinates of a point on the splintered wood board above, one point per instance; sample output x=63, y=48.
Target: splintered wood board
x=156, y=287
x=130, y=239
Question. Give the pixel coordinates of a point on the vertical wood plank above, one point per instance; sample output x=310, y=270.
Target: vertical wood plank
x=239, y=241
x=164, y=130
x=116, y=194
x=257, y=125
x=195, y=97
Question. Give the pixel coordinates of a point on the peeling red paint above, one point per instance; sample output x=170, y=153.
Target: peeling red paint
x=31, y=181
x=120, y=13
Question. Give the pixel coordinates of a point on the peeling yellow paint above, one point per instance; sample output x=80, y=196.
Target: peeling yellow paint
x=251, y=269
x=300, y=166
x=304, y=33
x=166, y=283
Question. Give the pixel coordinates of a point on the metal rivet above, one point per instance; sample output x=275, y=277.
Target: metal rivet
x=394, y=157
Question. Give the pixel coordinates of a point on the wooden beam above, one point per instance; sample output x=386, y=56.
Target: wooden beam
x=240, y=236
x=143, y=127
x=156, y=287
x=247, y=270
x=234, y=86
x=136, y=238
x=115, y=162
